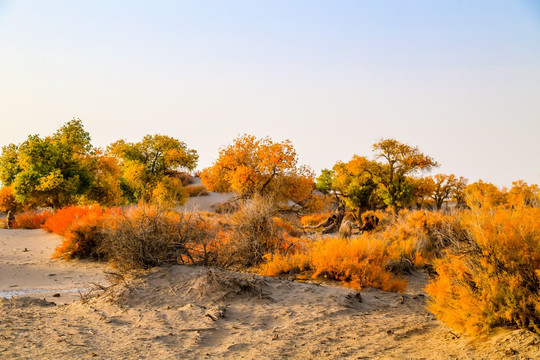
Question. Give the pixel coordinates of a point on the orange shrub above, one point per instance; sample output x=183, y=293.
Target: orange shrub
x=61, y=220
x=31, y=219
x=357, y=263
x=278, y=264
x=492, y=277
x=417, y=236
x=83, y=235
x=314, y=219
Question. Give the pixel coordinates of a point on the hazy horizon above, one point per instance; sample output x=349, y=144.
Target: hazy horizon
x=460, y=80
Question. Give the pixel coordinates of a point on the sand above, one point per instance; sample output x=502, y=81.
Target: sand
x=26, y=267
x=182, y=312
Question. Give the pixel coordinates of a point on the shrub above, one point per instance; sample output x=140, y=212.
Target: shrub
x=61, y=220
x=358, y=263
x=148, y=236
x=416, y=237
x=253, y=233
x=83, y=235
x=33, y=219
x=286, y=227
x=314, y=219
x=278, y=264
x=491, y=277
x=196, y=190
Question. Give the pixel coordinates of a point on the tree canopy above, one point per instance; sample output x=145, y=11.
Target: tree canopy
x=251, y=166
x=48, y=171
x=66, y=169
x=389, y=179
x=153, y=163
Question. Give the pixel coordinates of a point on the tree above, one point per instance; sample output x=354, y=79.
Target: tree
x=423, y=190
x=48, y=171
x=9, y=164
x=353, y=181
x=105, y=188
x=150, y=163
x=521, y=194
x=400, y=161
x=458, y=193
x=444, y=186
x=7, y=200
x=251, y=166
x=481, y=194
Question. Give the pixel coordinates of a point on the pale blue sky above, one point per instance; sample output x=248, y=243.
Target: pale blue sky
x=458, y=79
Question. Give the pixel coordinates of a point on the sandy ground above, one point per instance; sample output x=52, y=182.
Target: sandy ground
x=182, y=312
x=26, y=267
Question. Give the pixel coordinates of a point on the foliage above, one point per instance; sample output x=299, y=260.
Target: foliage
x=354, y=181
x=31, y=219
x=446, y=187
x=357, y=263
x=150, y=163
x=48, y=171
x=481, y=194
x=523, y=195
x=7, y=200
x=492, y=277
x=82, y=228
x=314, y=219
x=105, y=188
x=252, y=166
x=169, y=191
x=61, y=220
x=400, y=161
x=9, y=164
x=417, y=237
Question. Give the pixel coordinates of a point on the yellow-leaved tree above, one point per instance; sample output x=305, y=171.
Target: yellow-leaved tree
x=150, y=168
x=251, y=166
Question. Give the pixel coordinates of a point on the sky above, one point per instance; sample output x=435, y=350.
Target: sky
x=458, y=79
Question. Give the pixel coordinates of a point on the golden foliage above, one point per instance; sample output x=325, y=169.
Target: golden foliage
x=7, y=200
x=358, y=263
x=252, y=166
x=491, y=277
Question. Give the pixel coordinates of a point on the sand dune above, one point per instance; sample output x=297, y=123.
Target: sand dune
x=202, y=313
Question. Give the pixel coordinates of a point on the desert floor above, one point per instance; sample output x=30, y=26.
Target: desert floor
x=52, y=309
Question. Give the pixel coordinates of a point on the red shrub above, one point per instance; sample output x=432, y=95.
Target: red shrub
x=61, y=220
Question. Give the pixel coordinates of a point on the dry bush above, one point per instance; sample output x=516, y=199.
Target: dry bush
x=288, y=227
x=491, y=277
x=196, y=190
x=33, y=219
x=252, y=234
x=148, y=236
x=415, y=237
